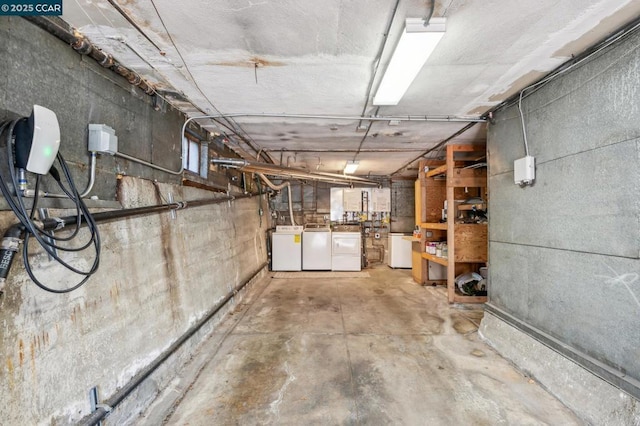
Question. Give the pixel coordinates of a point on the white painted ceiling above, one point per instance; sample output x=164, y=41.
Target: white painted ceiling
x=319, y=58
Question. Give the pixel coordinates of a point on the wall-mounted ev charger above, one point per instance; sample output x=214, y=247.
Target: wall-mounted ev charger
x=32, y=145
x=37, y=140
x=524, y=170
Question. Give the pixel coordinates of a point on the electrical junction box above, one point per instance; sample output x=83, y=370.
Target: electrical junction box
x=524, y=170
x=102, y=138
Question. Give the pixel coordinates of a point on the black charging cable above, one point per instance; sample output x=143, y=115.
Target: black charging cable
x=33, y=229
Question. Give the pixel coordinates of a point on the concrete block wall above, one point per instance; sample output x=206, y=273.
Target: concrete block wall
x=403, y=213
x=565, y=253
x=38, y=68
x=158, y=276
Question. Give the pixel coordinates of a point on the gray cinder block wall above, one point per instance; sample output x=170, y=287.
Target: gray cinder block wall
x=564, y=253
x=158, y=276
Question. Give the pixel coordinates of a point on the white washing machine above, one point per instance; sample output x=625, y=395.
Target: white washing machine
x=316, y=249
x=286, y=248
x=346, y=250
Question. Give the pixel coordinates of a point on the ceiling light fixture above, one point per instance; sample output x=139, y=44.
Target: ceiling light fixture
x=351, y=167
x=416, y=44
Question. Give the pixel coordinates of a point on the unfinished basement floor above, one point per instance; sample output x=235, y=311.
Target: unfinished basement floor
x=319, y=348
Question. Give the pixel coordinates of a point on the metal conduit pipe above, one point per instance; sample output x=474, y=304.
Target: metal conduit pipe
x=231, y=162
x=140, y=211
x=146, y=163
x=438, y=145
x=30, y=193
x=278, y=187
x=80, y=44
x=291, y=172
x=15, y=233
x=105, y=407
x=92, y=176
x=445, y=119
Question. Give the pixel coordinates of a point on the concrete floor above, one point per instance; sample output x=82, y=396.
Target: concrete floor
x=378, y=350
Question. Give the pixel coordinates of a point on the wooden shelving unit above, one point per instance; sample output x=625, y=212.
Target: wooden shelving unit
x=438, y=226
x=439, y=260
x=437, y=171
x=467, y=242
x=430, y=194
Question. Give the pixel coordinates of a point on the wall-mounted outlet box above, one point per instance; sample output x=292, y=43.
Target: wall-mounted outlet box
x=524, y=170
x=102, y=138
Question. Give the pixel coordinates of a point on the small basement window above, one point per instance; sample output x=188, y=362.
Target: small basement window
x=196, y=156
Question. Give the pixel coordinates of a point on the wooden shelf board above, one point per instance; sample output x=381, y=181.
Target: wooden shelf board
x=440, y=260
x=434, y=225
x=467, y=207
x=458, y=298
x=471, y=227
x=472, y=178
x=471, y=260
x=412, y=239
x=466, y=148
x=437, y=171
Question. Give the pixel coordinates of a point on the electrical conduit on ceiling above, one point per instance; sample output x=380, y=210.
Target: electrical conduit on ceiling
x=277, y=188
x=438, y=145
x=63, y=31
x=437, y=119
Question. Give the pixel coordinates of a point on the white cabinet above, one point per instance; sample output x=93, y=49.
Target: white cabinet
x=399, y=251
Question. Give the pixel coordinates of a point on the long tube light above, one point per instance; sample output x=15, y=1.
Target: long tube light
x=351, y=167
x=416, y=44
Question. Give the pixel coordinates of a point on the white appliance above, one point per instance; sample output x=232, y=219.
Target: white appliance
x=345, y=251
x=316, y=249
x=436, y=271
x=399, y=251
x=286, y=248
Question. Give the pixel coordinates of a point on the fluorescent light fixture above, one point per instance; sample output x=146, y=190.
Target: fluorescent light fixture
x=351, y=167
x=416, y=44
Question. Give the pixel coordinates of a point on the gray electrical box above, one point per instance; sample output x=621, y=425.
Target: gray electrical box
x=102, y=138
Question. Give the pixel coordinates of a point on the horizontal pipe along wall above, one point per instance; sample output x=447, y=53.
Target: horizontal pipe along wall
x=158, y=276
x=564, y=253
